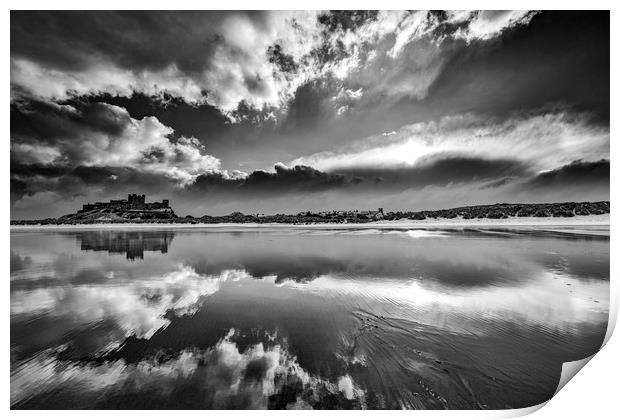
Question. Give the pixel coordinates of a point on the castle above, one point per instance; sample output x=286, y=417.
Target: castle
x=134, y=202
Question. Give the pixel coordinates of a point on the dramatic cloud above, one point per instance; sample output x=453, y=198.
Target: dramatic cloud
x=66, y=149
x=226, y=59
x=136, y=308
x=487, y=24
x=439, y=170
x=434, y=170
x=543, y=141
x=575, y=173
x=200, y=57
x=463, y=150
x=300, y=178
x=252, y=377
x=99, y=135
x=365, y=108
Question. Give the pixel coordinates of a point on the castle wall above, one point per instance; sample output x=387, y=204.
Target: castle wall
x=133, y=202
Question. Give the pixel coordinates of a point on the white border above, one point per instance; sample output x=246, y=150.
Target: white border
x=592, y=395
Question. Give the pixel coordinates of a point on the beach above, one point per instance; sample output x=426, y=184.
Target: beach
x=592, y=223
x=382, y=315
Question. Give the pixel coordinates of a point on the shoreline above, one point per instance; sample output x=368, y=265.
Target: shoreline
x=602, y=220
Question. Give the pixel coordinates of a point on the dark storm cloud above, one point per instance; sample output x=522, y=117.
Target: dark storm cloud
x=96, y=134
x=303, y=177
x=112, y=181
x=188, y=120
x=441, y=170
x=171, y=52
x=513, y=70
x=18, y=190
x=30, y=179
x=48, y=122
x=202, y=121
x=575, y=173
x=297, y=178
x=536, y=69
x=134, y=39
x=312, y=105
x=221, y=188
x=560, y=58
x=559, y=61
x=93, y=148
x=70, y=182
x=498, y=183
x=220, y=58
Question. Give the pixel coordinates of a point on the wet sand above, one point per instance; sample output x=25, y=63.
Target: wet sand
x=302, y=317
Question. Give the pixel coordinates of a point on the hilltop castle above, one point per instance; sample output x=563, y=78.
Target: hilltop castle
x=134, y=202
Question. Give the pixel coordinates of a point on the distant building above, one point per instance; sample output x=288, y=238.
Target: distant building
x=134, y=202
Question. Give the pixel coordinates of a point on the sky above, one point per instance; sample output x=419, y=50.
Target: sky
x=279, y=112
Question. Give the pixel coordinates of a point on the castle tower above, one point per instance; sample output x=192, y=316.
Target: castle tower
x=136, y=201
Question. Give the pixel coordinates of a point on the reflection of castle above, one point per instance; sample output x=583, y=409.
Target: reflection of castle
x=133, y=244
x=133, y=202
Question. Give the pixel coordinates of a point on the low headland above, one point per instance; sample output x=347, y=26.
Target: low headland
x=135, y=210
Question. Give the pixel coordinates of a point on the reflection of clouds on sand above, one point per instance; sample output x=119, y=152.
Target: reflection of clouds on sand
x=403, y=313
x=137, y=307
x=410, y=233
x=551, y=301
x=419, y=233
x=260, y=376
